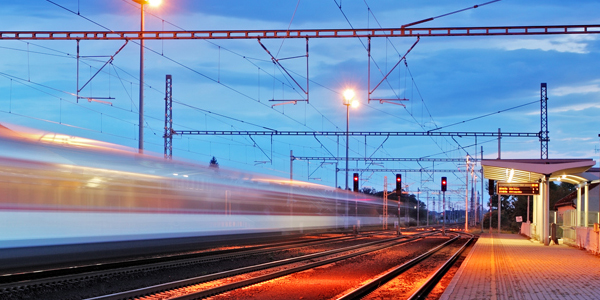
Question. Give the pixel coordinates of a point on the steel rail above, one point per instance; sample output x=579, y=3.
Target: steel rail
x=433, y=280
x=201, y=279
x=251, y=281
x=36, y=278
x=372, y=285
x=301, y=33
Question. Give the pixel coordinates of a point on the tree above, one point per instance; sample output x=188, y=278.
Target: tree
x=369, y=191
x=559, y=191
x=507, y=215
x=214, y=163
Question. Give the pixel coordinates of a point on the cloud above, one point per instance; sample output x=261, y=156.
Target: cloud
x=570, y=43
x=534, y=153
x=582, y=89
x=574, y=139
x=574, y=107
x=573, y=90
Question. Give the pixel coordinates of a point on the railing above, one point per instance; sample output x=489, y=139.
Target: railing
x=582, y=236
x=570, y=218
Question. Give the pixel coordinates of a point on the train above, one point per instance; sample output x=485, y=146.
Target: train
x=70, y=192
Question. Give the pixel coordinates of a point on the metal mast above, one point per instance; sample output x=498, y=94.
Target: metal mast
x=385, y=203
x=544, y=139
x=168, y=117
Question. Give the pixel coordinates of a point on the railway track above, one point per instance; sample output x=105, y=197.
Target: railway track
x=20, y=283
x=80, y=269
x=420, y=293
x=221, y=284
x=423, y=291
x=194, y=288
x=340, y=278
x=44, y=277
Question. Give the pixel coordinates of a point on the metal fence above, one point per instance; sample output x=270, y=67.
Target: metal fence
x=569, y=223
x=570, y=218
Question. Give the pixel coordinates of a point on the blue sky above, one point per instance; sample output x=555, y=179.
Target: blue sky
x=217, y=84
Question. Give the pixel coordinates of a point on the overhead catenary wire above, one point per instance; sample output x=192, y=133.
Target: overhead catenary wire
x=101, y=113
x=414, y=83
x=315, y=107
x=249, y=59
x=149, y=86
x=189, y=68
x=487, y=115
x=372, y=59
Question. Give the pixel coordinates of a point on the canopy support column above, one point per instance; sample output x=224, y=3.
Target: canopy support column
x=546, y=212
x=534, y=217
x=586, y=201
x=578, y=210
x=540, y=214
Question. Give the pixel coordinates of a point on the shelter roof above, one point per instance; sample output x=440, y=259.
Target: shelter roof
x=532, y=170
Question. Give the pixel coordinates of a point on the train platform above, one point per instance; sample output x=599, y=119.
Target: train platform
x=510, y=266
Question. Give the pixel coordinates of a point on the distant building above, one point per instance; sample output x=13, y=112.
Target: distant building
x=569, y=202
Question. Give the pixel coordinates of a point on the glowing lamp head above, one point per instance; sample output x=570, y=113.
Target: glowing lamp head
x=354, y=104
x=149, y=2
x=348, y=96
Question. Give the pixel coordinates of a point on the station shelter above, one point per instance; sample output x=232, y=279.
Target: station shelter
x=515, y=174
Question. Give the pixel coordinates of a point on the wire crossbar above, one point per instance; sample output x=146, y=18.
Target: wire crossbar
x=381, y=159
x=359, y=133
x=300, y=33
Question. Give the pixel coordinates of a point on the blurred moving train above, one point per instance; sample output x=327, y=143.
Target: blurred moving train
x=64, y=190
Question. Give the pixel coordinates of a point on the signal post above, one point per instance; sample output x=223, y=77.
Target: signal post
x=444, y=187
x=399, y=194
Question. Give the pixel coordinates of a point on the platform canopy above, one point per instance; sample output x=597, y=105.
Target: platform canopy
x=533, y=170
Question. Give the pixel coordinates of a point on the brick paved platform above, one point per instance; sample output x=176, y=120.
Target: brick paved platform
x=509, y=266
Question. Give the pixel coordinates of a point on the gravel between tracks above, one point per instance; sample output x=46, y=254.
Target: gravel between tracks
x=405, y=284
x=329, y=281
x=107, y=285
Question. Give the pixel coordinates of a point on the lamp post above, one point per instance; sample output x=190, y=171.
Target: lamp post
x=348, y=100
x=141, y=104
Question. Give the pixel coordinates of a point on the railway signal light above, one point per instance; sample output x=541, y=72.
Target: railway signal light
x=355, y=179
x=398, y=183
x=491, y=188
x=444, y=184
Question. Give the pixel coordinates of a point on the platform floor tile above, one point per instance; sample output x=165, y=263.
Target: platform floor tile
x=510, y=266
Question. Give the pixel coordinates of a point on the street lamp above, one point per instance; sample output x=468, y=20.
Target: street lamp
x=141, y=104
x=348, y=101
